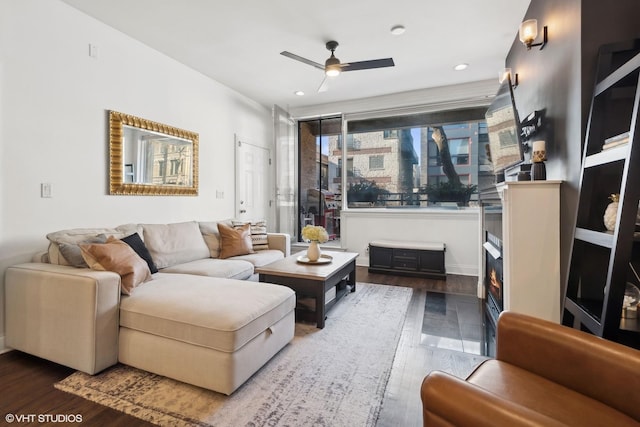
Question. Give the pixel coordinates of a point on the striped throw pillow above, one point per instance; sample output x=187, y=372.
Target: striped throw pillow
x=258, y=233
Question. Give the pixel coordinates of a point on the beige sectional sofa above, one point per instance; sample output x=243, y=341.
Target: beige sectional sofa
x=197, y=319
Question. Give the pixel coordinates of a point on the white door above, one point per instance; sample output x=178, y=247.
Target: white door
x=253, y=194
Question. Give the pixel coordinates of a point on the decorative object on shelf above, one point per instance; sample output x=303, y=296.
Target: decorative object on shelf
x=630, y=301
x=529, y=31
x=611, y=212
x=532, y=124
x=315, y=234
x=538, y=168
x=615, y=141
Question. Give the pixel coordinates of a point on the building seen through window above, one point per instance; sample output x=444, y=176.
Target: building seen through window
x=388, y=162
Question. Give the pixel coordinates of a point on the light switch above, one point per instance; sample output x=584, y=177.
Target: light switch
x=93, y=51
x=45, y=190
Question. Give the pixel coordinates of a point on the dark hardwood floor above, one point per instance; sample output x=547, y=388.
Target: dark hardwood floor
x=462, y=285
x=28, y=381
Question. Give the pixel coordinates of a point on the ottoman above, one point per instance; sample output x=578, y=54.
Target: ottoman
x=210, y=332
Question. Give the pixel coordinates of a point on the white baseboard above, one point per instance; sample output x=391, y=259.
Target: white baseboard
x=3, y=349
x=462, y=270
x=480, y=289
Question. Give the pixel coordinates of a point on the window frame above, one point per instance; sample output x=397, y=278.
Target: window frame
x=464, y=114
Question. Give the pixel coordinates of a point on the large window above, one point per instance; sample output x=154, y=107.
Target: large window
x=392, y=161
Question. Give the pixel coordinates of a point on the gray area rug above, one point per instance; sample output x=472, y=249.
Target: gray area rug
x=334, y=376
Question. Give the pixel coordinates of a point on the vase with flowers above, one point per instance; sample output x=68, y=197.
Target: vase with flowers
x=314, y=234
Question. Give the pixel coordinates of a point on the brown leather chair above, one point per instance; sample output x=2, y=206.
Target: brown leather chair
x=544, y=374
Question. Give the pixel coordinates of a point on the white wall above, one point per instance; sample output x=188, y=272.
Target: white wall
x=53, y=126
x=458, y=229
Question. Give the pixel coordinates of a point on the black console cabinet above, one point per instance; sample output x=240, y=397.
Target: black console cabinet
x=421, y=259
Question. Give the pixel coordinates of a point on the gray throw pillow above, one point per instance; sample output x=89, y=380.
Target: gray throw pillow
x=72, y=253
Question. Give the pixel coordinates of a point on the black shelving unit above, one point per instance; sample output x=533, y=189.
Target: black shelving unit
x=600, y=259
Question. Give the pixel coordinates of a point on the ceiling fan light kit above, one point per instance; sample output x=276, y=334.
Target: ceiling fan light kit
x=332, y=71
x=332, y=64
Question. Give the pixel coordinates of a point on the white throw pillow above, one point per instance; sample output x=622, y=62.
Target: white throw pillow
x=209, y=230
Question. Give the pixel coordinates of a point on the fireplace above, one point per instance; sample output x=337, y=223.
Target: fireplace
x=513, y=233
x=493, y=278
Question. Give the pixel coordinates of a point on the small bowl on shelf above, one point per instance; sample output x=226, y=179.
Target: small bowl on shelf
x=631, y=301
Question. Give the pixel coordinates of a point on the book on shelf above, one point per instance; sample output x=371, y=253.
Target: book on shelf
x=616, y=140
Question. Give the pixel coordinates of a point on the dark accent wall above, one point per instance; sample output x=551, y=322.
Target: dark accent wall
x=559, y=80
x=602, y=23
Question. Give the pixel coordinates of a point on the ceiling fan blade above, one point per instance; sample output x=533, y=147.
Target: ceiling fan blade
x=324, y=86
x=366, y=65
x=301, y=59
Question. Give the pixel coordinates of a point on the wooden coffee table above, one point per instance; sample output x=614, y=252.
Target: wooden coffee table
x=314, y=281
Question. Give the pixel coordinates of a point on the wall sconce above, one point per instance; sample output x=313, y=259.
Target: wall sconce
x=529, y=32
x=505, y=74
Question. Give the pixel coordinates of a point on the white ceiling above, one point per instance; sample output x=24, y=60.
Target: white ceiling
x=238, y=43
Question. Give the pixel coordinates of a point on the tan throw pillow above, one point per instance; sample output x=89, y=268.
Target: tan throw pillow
x=235, y=241
x=259, y=238
x=117, y=256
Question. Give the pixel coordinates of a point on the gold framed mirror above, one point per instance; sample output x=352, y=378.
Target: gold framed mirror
x=151, y=159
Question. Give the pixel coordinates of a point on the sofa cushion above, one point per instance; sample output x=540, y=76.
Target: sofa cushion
x=136, y=243
x=261, y=258
x=77, y=235
x=227, y=268
x=209, y=230
x=115, y=255
x=259, y=238
x=222, y=314
x=235, y=241
x=172, y=244
x=544, y=396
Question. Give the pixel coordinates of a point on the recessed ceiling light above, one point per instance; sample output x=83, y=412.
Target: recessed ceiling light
x=461, y=67
x=299, y=93
x=396, y=30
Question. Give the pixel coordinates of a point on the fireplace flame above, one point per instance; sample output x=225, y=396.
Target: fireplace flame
x=494, y=282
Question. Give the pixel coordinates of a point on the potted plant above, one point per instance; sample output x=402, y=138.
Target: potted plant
x=449, y=192
x=364, y=191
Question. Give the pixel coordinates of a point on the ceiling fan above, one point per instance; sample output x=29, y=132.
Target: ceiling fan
x=332, y=66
